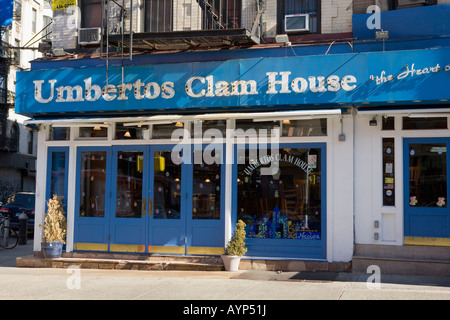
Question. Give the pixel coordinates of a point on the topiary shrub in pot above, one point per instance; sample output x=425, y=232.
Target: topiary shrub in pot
x=235, y=248
x=54, y=228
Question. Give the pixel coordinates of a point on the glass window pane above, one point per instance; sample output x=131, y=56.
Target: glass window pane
x=206, y=189
x=428, y=175
x=213, y=129
x=302, y=128
x=93, y=132
x=129, y=132
x=58, y=133
x=249, y=127
x=91, y=13
x=287, y=204
x=58, y=174
x=164, y=131
x=158, y=15
x=424, y=123
x=167, y=186
x=388, y=123
x=388, y=172
x=93, y=184
x=129, y=184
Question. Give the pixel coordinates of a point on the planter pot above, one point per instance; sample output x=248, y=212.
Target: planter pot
x=231, y=263
x=52, y=249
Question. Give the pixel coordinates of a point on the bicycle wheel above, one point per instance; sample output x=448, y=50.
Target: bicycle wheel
x=9, y=240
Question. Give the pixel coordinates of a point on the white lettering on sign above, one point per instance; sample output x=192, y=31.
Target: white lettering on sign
x=315, y=84
x=195, y=87
x=409, y=72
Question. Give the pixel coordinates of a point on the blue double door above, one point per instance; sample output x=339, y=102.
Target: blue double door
x=426, y=187
x=149, y=199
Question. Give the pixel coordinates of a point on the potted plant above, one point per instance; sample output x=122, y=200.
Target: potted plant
x=235, y=248
x=54, y=228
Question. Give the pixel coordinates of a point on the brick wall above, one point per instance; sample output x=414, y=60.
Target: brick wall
x=65, y=24
x=337, y=16
x=269, y=18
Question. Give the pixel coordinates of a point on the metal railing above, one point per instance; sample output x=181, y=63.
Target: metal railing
x=185, y=15
x=3, y=96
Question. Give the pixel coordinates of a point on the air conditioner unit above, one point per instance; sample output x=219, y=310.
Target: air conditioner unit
x=89, y=35
x=296, y=22
x=404, y=3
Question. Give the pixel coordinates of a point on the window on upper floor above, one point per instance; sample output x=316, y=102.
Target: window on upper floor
x=158, y=15
x=91, y=13
x=298, y=16
x=169, y=15
x=404, y=4
x=48, y=28
x=33, y=20
x=360, y=6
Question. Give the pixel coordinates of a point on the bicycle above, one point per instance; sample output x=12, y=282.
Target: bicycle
x=8, y=237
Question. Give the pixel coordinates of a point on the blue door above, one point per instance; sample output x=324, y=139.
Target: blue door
x=185, y=197
x=205, y=186
x=167, y=200
x=150, y=199
x=426, y=186
x=93, y=199
x=128, y=208
x=110, y=206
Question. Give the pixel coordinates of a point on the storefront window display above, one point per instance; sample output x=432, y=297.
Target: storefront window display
x=286, y=204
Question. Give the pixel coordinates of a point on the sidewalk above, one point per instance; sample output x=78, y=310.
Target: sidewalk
x=88, y=284
x=8, y=256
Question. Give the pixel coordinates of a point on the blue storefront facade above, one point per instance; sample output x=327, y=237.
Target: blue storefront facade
x=164, y=153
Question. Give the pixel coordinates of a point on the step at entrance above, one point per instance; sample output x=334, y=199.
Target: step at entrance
x=410, y=260
x=125, y=262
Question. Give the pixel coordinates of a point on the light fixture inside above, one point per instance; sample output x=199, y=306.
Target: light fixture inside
x=127, y=134
x=179, y=124
x=97, y=128
x=286, y=122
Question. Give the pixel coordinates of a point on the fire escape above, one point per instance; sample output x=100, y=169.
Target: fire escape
x=8, y=58
x=196, y=24
x=10, y=157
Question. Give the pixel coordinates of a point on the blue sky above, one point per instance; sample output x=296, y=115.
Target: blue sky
x=6, y=12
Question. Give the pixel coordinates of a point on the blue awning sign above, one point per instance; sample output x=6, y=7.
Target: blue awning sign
x=326, y=80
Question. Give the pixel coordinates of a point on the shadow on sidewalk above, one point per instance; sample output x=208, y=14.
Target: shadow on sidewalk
x=327, y=276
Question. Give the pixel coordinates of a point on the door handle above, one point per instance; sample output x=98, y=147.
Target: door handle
x=150, y=207
x=144, y=207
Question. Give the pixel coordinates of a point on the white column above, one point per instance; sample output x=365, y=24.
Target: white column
x=41, y=181
x=229, y=159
